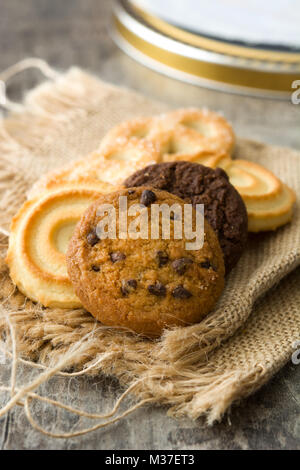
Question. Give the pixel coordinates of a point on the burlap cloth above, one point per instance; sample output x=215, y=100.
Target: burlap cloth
x=196, y=370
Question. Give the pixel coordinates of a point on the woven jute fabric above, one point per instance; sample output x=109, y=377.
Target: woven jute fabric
x=195, y=370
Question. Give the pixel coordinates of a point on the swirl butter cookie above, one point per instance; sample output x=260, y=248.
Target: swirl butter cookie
x=144, y=284
x=39, y=237
x=269, y=202
x=198, y=184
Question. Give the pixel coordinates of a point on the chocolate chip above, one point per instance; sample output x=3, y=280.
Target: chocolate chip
x=207, y=265
x=96, y=268
x=128, y=286
x=131, y=191
x=157, y=289
x=162, y=258
x=92, y=238
x=132, y=283
x=117, y=256
x=147, y=197
x=181, y=293
x=180, y=264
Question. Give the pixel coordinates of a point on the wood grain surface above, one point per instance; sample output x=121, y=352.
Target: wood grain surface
x=76, y=32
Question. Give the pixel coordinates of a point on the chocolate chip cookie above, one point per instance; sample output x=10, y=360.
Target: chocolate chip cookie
x=198, y=184
x=144, y=284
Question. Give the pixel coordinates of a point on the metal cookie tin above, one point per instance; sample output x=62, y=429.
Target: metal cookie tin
x=203, y=61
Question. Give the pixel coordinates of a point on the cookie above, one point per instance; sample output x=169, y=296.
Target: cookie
x=269, y=202
x=187, y=133
x=111, y=164
x=145, y=285
x=135, y=130
x=223, y=206
x=184, y=134
x=39, y=237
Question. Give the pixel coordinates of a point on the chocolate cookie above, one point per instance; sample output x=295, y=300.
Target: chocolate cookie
x=223, y=206
x=144, y=284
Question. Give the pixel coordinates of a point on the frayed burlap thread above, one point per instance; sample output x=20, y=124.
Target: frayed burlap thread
x=196, y=370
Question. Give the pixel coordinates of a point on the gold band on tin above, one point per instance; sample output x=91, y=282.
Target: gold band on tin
x=269, y=81
x=215, y=45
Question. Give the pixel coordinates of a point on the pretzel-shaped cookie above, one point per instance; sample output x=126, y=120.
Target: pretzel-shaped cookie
x=111, y=164
x=183, y=134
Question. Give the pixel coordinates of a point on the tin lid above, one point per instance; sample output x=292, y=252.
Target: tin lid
x=250, y=22
x=201, y=60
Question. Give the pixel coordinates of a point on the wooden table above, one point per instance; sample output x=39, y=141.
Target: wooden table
x=76, y=32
